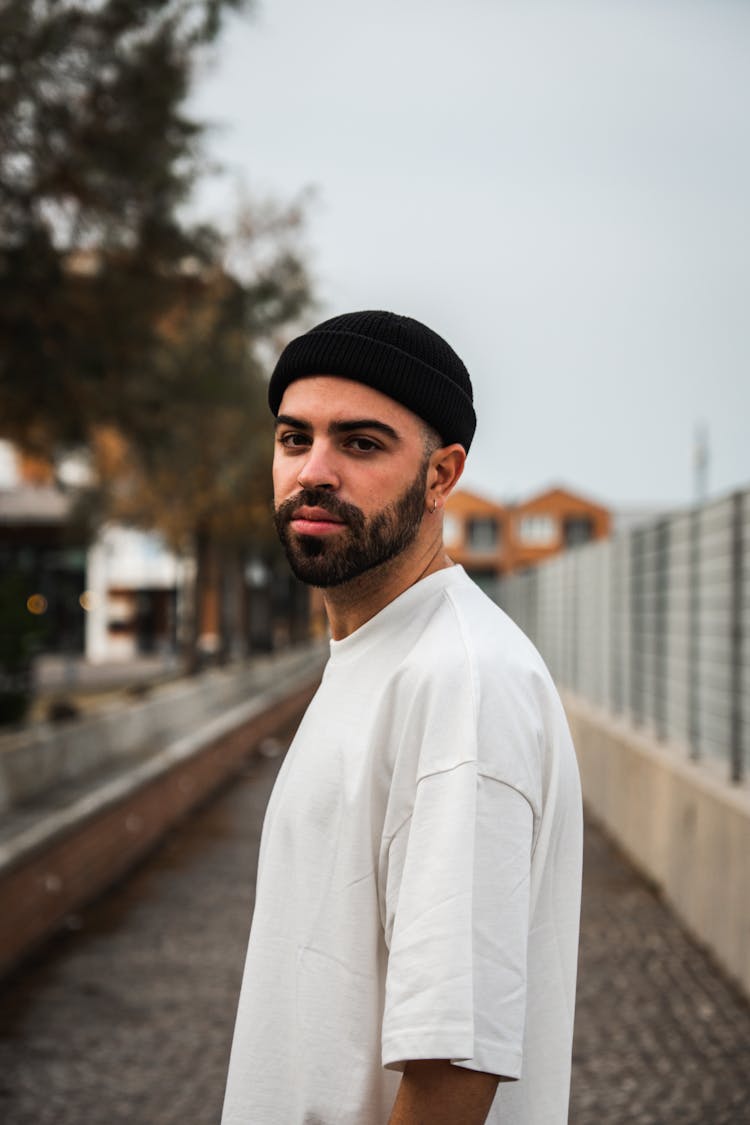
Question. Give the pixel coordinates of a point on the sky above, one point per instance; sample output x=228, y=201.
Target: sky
x=560, y=188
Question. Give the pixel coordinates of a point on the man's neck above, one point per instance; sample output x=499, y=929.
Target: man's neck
x=353, y=603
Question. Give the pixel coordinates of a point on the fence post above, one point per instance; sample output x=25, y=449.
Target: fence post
x=636, y=622
x=575, y=613
x=735, y=747
x=615, y=629
x=694, y=640
x=533, y=606
x=661, y=625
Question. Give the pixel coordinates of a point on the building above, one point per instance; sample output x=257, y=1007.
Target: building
x=42, y=562
x=551, y=522
x=490, y=539
x=126, y=594
x=475, y=531
x=110, y=600
x=134, y=584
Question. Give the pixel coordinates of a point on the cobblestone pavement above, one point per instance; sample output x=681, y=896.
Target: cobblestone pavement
x=128, y=1017
x=662, y=1038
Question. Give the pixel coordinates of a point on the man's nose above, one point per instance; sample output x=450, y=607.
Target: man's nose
x=317, y=469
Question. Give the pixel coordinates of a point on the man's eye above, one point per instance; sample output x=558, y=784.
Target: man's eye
x=294, y=440
x=362, y=444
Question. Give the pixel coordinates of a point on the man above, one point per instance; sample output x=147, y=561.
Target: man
x=413, y=949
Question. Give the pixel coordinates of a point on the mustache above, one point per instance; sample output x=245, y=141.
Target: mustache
x=318, y=498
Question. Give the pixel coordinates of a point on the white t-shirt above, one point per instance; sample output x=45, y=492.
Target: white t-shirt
x=418, y=889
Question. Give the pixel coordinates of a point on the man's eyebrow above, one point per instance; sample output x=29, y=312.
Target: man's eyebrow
x=296, y=423
x=364, y=424
x=346, y=427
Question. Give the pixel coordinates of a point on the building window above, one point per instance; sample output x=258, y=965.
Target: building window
x=578, y=529
x=483, y=534
x=541, y=531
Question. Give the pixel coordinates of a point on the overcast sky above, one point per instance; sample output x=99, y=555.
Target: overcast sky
x=561, y=189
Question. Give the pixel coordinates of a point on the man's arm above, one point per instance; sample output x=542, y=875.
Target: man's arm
x=434, y=1092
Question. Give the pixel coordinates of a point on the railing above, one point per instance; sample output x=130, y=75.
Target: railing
x=654, y=625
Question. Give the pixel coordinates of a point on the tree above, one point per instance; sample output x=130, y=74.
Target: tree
x=96, y=155
x=124, y=331
x=200, y=469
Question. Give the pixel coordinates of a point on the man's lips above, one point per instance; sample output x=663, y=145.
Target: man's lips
x=315, y=521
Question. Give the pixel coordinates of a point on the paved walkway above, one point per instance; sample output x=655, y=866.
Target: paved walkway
x=662, y=1038
x=128, y=1017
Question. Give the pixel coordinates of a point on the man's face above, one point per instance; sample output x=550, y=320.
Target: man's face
x=349, y=476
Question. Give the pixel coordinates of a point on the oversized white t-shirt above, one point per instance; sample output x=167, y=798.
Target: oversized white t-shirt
x=418, y=888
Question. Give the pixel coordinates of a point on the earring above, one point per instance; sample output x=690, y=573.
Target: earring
x=434, y=505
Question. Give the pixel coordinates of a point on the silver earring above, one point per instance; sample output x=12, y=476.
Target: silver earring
x=434, y=505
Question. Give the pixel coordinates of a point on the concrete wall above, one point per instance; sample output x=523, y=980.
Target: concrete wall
x=682, y=824
x=68, y=855
x=36, y=758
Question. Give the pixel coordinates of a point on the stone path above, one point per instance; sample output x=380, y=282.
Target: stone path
x=128, y=1017
x=662, y=1038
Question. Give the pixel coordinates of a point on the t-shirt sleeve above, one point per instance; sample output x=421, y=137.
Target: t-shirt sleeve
x=457, y=917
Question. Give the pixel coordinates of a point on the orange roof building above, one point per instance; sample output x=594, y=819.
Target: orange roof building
x=490, y=539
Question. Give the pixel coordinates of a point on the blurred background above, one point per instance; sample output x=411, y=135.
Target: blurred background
x=558, y=188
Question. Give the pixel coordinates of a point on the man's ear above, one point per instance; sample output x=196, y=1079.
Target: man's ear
x=446, y=466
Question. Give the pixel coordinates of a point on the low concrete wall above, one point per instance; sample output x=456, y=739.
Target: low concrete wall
x=36, y=758
x=68, y=855
x=684, y=827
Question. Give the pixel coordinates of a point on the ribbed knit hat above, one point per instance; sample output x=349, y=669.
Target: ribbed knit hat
x=394, y=354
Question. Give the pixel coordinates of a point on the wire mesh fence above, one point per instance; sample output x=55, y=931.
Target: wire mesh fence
x=653, y=625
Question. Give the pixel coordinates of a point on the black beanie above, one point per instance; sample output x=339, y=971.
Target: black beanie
x=394, y=354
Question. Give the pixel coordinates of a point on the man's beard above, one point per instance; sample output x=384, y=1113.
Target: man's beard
x=365, y=543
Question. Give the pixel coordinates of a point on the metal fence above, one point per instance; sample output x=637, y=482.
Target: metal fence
x=654, y=625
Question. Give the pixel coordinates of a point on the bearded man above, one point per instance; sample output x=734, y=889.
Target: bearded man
x=412, y=956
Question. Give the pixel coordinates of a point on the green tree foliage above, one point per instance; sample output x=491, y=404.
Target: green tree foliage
x=96, y=154
x=201, y=464
x=123, y=330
